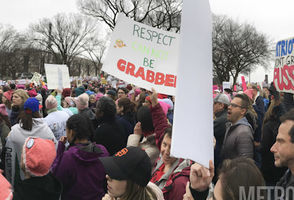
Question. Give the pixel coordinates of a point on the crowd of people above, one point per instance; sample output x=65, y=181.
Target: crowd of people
x=94, y=141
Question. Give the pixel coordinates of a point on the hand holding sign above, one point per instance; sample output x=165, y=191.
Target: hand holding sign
x=153, y=97
x=201, y=177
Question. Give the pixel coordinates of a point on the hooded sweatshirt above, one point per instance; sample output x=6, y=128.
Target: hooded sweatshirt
x=14, y=146
x=35, y=188
x=80, y=171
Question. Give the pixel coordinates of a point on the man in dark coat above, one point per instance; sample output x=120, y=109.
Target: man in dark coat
x=220, y=109
x=283, y=150
x=238, y=139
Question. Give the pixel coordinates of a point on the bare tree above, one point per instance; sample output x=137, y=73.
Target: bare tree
x=237, y=48
x=95, y=51
x=164, y=14
x=64, y=36
x=11, y=57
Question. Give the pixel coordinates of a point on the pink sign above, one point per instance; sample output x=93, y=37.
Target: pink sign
x=244, y=86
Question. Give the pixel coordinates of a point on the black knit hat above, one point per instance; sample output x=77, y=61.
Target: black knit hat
x=131, y=163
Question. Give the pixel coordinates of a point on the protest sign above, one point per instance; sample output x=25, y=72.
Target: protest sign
x=284, y=66
x=36, y=78
x=226, y=85
x=193, y=133
x=143, y=56
x=57, y=76
x=244, y=86
x=21, y=82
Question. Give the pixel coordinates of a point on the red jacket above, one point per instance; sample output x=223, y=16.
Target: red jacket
x=173, y=184
x=159, y=122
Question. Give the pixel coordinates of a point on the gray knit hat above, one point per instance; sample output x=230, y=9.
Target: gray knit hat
x=222, y=98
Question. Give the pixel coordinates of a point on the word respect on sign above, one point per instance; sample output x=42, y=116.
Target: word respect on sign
x=144, y=56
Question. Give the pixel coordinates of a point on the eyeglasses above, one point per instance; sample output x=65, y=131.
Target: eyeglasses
x=235, y=105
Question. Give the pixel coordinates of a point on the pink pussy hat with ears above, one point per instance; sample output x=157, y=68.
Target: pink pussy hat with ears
x=38, y=155
x=6, y=190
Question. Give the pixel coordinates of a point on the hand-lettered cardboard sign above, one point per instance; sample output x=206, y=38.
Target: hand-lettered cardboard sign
x=143, y=56
x=36, y=78
x=57, y=76
x=284, y=66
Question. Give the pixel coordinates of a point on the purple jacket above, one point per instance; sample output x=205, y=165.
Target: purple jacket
x=80, y=171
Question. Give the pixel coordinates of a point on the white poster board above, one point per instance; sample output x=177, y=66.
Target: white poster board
x=284, y=66
x=226, y=85
x=21, y=82
x=193, y=123
x=57, y=76
x=143, y=56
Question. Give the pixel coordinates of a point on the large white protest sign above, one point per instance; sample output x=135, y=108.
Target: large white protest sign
x=193, y=120
x=143, y=56
x=57, y=76
x=284, y=66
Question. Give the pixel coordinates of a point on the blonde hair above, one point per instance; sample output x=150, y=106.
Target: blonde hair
x=135, y=191
x=22, y=94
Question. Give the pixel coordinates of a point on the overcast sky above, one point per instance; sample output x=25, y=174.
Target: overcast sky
x=272, y=17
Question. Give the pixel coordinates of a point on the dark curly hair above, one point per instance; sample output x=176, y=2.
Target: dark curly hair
x=81, y=126
x=106, y=106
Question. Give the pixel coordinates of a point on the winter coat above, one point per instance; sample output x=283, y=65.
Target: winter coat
x=238, y=140
x=288, y=101
x=56, y=121
x=38, y=188
x=14, y=146
x=270, y=172
x=259, y=109
x=219, y=131
x=15, y=110
x=80, y=171
x=4, y=130
x=287, y=181
x=128, y=122
x=151, y=143
x=111, y=135
x=89, y=114
x=173, y=183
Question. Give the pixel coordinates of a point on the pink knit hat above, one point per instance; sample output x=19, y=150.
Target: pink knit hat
x=5, y=191
x=249, y=93
x=32, y=93
x=38, y=155
x=99, y=95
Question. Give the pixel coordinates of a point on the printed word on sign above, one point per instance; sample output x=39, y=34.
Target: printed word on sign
x=147, y=75
x=284, y=78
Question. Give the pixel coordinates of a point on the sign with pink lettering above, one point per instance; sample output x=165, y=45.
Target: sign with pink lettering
x=284, y=66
